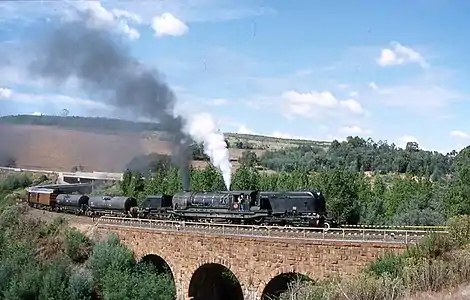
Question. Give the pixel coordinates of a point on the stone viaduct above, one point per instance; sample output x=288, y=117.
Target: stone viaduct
x=258, y=263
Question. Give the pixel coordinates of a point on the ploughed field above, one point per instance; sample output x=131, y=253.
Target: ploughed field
x=60, y=149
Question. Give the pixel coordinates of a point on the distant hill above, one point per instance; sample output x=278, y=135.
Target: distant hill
x=94, y=124
x=109, y=126
x=103, y=144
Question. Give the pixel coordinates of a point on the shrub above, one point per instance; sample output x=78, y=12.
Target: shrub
x=459, y=230
x=77, y=246
x=80, y=285
x=110, y=255
x=390, y=264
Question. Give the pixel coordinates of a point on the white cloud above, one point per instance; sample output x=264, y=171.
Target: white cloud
x=218, y=102
x=121, y=13
x=243, y=129
x=353, y=94
x=354, y=130
x=94, y=15
x=189, y=10
x=5, y=93
x=167, y=24
x=459, y=134
x=352, y=105
x=314, y=104
x=373, y=86
x=403, y=140
x=398, y=54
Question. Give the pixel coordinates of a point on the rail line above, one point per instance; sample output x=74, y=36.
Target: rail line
x=405, y=227
x=397, y=236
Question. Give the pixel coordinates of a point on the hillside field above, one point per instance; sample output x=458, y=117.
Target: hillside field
x=98, y=144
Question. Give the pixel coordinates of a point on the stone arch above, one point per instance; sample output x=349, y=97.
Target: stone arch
x=160, y=264
x=214, y=281
x=281, y=283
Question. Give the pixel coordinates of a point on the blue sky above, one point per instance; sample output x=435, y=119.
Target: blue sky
x=390, y=70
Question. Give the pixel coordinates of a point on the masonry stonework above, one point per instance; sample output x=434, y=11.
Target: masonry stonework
x=253, y=260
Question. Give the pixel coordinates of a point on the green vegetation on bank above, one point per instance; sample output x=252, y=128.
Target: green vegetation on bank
x=437, y=263
x=50, y=260
x=352, y=197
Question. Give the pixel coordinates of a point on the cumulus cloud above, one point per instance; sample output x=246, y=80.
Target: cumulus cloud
x=5, y=93
x=373, y=86
x=167, y=24
x=94, y=15
x=403, y=140
x=243, y=129
x=316, y=104
x=398, y=54
x=354, y=130
x=459, y=134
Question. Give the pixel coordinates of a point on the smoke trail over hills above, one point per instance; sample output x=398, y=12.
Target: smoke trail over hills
x=109, y=73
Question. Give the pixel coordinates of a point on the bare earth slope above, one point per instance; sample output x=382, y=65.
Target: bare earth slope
x=60, y=149
x=54, y=148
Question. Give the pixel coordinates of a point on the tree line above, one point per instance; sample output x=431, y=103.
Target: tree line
x=360, y=155
x=352, y=197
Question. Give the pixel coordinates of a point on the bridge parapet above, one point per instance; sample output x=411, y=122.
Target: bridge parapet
x=364, y=235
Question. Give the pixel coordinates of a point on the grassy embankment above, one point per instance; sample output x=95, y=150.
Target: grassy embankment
x=50, y=260
x=438, y=263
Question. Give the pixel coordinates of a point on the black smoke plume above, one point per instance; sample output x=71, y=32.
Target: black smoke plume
x=108, y=73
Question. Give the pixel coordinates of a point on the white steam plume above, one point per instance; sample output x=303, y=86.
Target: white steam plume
x=203, y=129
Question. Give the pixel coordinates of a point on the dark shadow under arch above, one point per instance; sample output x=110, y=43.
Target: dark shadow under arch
x=214, y=282
x=279, y=284
x=159, y=263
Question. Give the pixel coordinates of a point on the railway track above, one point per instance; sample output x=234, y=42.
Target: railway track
x=403, y=227
x=398, y=236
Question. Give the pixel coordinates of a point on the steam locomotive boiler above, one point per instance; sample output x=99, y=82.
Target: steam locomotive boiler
x=251, y=207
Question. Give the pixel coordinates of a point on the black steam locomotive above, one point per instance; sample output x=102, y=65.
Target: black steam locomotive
x=303, y=208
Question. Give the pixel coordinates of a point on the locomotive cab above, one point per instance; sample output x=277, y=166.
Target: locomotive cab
x=245, y=200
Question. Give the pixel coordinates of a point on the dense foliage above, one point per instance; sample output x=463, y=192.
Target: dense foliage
x=352, y=197
x=49, y=260
x=359, y=155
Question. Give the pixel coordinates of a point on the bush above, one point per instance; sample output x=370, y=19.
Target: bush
x=77, y=246
x=390, y=264
x=110, y=255
x=459, y=230
x=80, y=285
x=432, y=246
